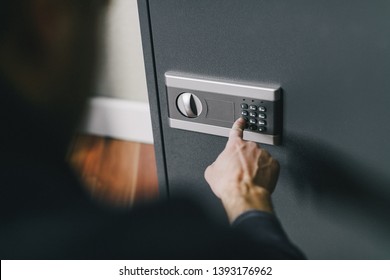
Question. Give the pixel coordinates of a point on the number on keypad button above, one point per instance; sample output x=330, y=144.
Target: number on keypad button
x=253, y=114
x=253, y=107
x=262, y=122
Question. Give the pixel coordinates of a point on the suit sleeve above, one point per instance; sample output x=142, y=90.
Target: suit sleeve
x=265, y=230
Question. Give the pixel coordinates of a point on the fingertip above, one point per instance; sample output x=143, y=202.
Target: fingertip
x=237, y=128
x=241, y=122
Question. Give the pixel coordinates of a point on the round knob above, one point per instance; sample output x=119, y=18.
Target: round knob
x=189, y=105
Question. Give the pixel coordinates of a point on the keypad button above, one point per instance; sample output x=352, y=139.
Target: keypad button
x=244, y=106
x=262, y=122
x=262, y=116
x=262, y=109
x=262, y=129
x=253, y=114
x=252, y=121
x=244, y=113
x=253, y=107
x=253, y=127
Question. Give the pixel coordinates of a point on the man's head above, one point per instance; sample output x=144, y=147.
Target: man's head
x=48, y=51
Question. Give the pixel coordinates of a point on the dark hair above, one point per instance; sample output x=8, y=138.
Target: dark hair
x=8, y=9
x=4, y=16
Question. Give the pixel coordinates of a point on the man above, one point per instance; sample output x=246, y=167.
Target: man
x=47, y=59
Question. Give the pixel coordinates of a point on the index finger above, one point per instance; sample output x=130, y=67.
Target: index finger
x=237, y=130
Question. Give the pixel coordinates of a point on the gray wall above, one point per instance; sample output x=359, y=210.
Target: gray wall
x=332, y=59
x=122, y=74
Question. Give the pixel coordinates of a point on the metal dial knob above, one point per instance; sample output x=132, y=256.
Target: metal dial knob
x=189, y=105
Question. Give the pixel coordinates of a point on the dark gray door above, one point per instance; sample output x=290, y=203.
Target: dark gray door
x=332, y=60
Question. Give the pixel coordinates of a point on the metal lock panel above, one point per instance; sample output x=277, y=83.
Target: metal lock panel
x=211, y=106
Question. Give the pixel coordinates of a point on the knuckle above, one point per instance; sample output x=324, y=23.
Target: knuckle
x=207, y=172
x=233, y=140
x=236, y=140
x=251, y=144
x=236, y=143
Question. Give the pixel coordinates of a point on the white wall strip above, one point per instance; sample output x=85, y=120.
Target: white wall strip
x=119, y=119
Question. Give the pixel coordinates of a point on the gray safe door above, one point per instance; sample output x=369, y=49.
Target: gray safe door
x=332, y=61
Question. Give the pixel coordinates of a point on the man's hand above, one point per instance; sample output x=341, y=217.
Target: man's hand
x=243, y=176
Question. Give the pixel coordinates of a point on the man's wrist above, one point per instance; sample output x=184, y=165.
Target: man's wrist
x=246, y=198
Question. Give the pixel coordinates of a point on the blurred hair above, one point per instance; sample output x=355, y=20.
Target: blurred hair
x=6, y=12
x=11, y=11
